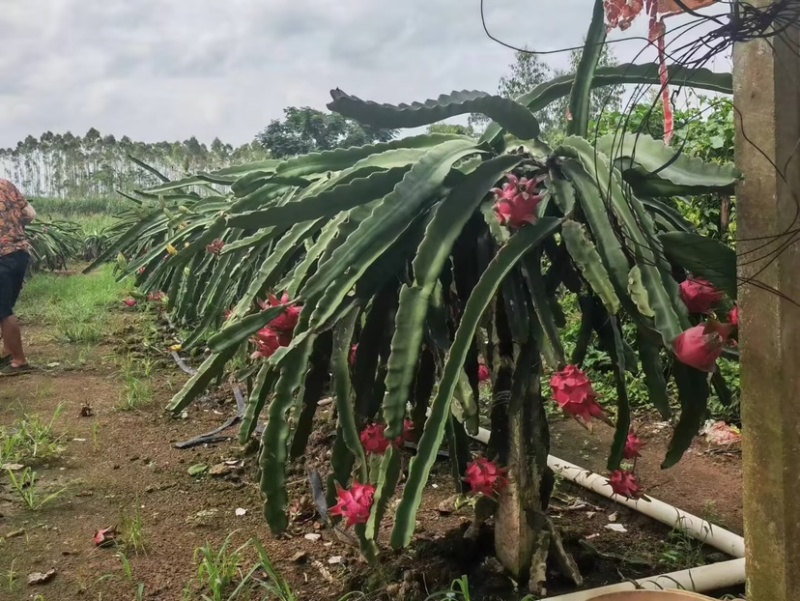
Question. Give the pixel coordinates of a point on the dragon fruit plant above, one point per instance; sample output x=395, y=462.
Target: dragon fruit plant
x=415, y=269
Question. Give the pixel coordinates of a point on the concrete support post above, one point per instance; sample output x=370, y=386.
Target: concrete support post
x=767, y=101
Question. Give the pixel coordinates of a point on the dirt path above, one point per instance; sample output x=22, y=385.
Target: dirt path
x=120, y=466
x=116, y=464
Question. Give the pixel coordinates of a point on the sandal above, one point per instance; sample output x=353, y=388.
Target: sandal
x=12, y=370
x=5, y=360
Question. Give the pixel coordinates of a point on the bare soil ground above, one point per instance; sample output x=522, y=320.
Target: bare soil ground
x=117, y=463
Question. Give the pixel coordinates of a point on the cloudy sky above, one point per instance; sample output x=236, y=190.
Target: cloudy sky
x=170, y=69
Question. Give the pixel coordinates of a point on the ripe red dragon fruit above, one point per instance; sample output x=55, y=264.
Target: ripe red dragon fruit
x=625, y=484
x=573, y=392
x=733, y=316
x=517, y=200
x=354, y=504
x=286, y=322
x=699, y=295
x=268, y=341
x=700, y=346
x=374, y=439
x=407, y=435
x=483, y=373
x=486, y=477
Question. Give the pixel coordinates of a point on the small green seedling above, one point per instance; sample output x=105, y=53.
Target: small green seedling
x=26, y=488
x=132, y=533
x=217, y=570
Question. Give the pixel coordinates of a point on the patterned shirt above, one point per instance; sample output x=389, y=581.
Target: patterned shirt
x=12, y=227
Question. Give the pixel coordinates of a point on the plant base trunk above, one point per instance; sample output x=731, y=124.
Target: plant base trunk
x=524, y=536
x=521, y=538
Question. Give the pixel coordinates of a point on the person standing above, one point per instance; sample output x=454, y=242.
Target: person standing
x=15, y=214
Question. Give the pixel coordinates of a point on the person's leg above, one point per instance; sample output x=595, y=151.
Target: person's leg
x=12, y=275
x=13, y=340
x=7, y=282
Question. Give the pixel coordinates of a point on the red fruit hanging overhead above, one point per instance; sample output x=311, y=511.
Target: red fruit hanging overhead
x=699, y=295
x=700, y=346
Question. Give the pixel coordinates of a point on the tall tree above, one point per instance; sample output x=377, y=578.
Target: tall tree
x=529, y=70
x=526, y=72
x=304, y=129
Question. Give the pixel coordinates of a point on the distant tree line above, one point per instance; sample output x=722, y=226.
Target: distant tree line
x=96, y=166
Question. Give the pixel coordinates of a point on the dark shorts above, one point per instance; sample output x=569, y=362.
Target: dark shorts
x=12, y=273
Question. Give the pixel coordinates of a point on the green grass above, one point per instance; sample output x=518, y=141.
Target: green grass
x=30, y=438
x=94, y=222
x=218, y=569
x=137, y=390
x=681, y=551
x=69, y=208
x=132, y=533
x=29, y=492
x=74, y=308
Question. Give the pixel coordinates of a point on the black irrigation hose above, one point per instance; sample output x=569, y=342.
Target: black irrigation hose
x=211, y=437
x=183, y=365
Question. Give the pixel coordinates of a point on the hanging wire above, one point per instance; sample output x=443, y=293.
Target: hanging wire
x=740, y=23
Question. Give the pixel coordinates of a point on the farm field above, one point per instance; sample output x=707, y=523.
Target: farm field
x=483, y=346
x=95, y=410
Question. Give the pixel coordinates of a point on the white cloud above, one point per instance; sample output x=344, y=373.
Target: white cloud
x=157, y=70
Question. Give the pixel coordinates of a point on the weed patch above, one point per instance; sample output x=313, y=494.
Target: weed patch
x=30, y=438
x=74, y=308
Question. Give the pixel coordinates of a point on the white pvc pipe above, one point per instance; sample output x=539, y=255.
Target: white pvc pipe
x=704, y=578
x=726, y=541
